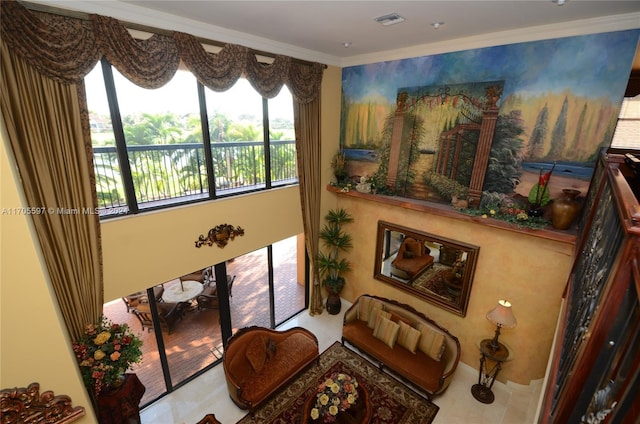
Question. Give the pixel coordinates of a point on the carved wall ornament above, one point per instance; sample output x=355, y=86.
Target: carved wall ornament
x=27, y=405
x=220, y=235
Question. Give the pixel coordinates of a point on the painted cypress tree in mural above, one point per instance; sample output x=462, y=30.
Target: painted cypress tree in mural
x=538, y=135
x=559, y=133
x=505, y=164
x=577, y=137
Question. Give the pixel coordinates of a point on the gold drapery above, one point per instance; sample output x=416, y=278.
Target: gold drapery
x=307, y=124
x=43, y=118
x=64, y=50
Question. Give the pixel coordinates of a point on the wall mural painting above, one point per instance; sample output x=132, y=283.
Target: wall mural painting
x=481, y=125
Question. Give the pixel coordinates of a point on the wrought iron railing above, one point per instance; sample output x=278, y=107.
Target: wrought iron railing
x=165, y=174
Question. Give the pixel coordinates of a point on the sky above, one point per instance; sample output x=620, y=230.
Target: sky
x=596, y=65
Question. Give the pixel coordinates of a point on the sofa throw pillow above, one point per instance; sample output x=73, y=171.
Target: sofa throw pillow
x=257, y=353
x=408, y=337
x=395, y=317
x=431, y=342
x=365, y=306
x=386, y=331
x=375, y=316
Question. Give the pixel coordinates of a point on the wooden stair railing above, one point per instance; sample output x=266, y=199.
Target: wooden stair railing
x=27, y=405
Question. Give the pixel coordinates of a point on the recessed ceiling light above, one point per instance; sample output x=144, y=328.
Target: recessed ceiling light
x=346, y=44
x=559, y=2
x=390, y=19
x=437, y=25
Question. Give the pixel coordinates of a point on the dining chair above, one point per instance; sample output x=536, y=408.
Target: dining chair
x=168, y=312
x=208, y=299
x=134, y=299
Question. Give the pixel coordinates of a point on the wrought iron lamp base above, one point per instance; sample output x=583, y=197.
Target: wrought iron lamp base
x=482, y=393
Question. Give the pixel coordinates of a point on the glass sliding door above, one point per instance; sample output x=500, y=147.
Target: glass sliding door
x=183, y=322
x=250, y=302
x=192, y=335
x=288, y=278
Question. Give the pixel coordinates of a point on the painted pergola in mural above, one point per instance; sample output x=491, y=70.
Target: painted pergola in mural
x=450, y=141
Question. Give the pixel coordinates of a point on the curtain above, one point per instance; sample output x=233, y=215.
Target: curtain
x=44, y=60
x=307, y=117
x=43, y=121
x=305, y=81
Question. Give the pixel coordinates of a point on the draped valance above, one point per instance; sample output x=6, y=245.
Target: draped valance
x=66, y=49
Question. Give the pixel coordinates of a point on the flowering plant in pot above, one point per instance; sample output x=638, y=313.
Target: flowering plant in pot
x=105, y=352
x=335, y=394
x=539, y=195
x=330, y=265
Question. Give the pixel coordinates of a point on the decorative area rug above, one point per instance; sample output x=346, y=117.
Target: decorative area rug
x=431, y=281
x=392, y=401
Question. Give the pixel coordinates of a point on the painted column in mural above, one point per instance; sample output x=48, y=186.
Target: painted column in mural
x=481, y=160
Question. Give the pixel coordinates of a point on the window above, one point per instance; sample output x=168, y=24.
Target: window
x=152, y=150
x=627, y=133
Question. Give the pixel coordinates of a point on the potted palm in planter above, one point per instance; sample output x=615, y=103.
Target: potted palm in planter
x=330, y=265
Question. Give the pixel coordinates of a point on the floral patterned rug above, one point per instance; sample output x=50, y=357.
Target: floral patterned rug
x=431, y=281
x=392, y=401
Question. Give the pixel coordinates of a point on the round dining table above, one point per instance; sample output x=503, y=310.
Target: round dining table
x=182, y=292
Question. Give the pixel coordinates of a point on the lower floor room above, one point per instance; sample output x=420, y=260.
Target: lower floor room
x=208, y=393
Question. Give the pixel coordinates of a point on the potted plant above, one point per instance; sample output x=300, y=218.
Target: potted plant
x=330, y=265
x=105, y=352
x=339, y=167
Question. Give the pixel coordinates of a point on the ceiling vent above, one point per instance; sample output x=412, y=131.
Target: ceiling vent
x=390, y=19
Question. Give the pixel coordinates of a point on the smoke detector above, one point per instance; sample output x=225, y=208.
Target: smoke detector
x=390, y=19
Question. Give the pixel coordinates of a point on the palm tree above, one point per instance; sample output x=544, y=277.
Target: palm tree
x=330, y=266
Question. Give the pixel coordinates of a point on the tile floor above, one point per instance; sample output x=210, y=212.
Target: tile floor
x=514, y=404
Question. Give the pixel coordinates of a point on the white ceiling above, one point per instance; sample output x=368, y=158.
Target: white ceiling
x=316, y=30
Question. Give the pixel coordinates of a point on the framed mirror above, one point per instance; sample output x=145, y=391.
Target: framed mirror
x=437, y=269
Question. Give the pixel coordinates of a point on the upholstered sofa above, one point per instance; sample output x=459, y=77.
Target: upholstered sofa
x=403, y=341
x=258, y=361
x=413, y=259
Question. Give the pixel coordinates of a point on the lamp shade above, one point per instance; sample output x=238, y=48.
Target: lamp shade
x=501, y=315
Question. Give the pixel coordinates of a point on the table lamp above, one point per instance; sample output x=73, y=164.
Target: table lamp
x=501, y=316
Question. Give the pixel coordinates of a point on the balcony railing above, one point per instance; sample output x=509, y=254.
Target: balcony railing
x=172, y=173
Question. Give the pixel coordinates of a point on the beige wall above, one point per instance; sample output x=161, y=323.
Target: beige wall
x=142, y=250
x=33, y=342
x=331, y=100
x=528, y=271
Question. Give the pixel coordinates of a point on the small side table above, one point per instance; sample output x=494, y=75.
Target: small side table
x=121, y=405
x=490, y=365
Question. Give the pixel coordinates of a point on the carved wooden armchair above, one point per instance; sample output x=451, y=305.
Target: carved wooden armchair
x=412, y=259
x=134, y=299
x=168, y=312
x=208, y=299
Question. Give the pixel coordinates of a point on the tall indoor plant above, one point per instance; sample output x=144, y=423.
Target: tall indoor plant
x=331, y=266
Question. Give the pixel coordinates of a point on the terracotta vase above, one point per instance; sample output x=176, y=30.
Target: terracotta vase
x=565, y=209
